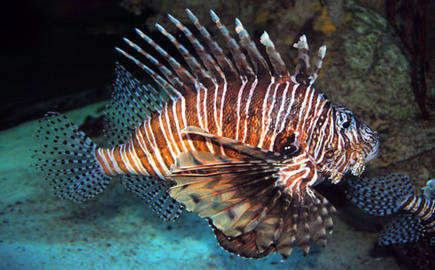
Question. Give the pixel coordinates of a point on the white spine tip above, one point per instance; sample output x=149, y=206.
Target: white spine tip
x=265, y=39
x=173, y=19
x=213, y=15
x=239, y=27
x=322, y=51
x=302, y=43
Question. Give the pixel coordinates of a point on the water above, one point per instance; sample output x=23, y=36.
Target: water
x=65, y=62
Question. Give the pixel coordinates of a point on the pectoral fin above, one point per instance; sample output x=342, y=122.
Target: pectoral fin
x=244, y=148
x=256, y=205
x=231, y=192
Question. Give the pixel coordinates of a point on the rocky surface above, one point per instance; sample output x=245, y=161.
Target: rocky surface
x=365, y=69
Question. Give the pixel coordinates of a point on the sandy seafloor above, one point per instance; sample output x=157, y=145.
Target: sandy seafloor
x=117, y=231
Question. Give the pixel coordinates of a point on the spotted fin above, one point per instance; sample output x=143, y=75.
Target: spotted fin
x=132, y=102
x=379, y=196
x=242, y=200
x=401, y=229
x=155, y=193
x=66, y=157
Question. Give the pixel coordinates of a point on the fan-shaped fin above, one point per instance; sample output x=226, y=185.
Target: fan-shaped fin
x=242, y=199
x=244, y=245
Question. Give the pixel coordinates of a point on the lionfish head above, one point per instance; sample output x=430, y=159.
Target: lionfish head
x=354, y=144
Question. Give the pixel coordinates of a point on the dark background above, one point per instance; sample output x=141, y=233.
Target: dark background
x=58, y=55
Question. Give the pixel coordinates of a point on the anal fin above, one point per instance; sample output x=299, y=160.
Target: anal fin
x=155, y=192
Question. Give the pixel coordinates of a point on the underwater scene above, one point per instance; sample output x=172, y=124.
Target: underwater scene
x=142, y=134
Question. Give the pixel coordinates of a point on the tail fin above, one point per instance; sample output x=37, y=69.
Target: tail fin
x=66, y=158
x=379, y=196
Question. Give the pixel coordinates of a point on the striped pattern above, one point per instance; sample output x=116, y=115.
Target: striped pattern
x=422, y=207
x=159, y=139
x=223, y=109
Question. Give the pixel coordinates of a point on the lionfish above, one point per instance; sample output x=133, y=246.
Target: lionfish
x=231, y=137
x=394, y=193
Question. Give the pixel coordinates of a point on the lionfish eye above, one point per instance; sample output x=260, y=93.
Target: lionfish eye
x=346, y=124
x=345, y=120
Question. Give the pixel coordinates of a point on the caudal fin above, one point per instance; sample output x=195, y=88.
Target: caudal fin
x=379, y=196
x=66, y=157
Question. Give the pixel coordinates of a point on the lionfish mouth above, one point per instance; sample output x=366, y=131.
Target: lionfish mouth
x=374, y=152
x=371, y=143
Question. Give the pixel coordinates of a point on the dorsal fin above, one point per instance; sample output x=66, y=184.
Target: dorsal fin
x=274, y=56
x=209, y=65
x=205, y=57
x=260, y=65
x=239, y=58
x=163, y=83
x=304, y=74
x=199, y=72
x=182, y=73
x=223, y=61
x=168, y=74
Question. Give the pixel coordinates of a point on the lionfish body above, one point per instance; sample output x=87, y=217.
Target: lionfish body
x=238, y=141
x=391, y=194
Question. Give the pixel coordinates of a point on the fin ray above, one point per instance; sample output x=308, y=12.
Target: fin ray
x=155, y=193
x=66, y=157
x=132, y=102
x=251, y=204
